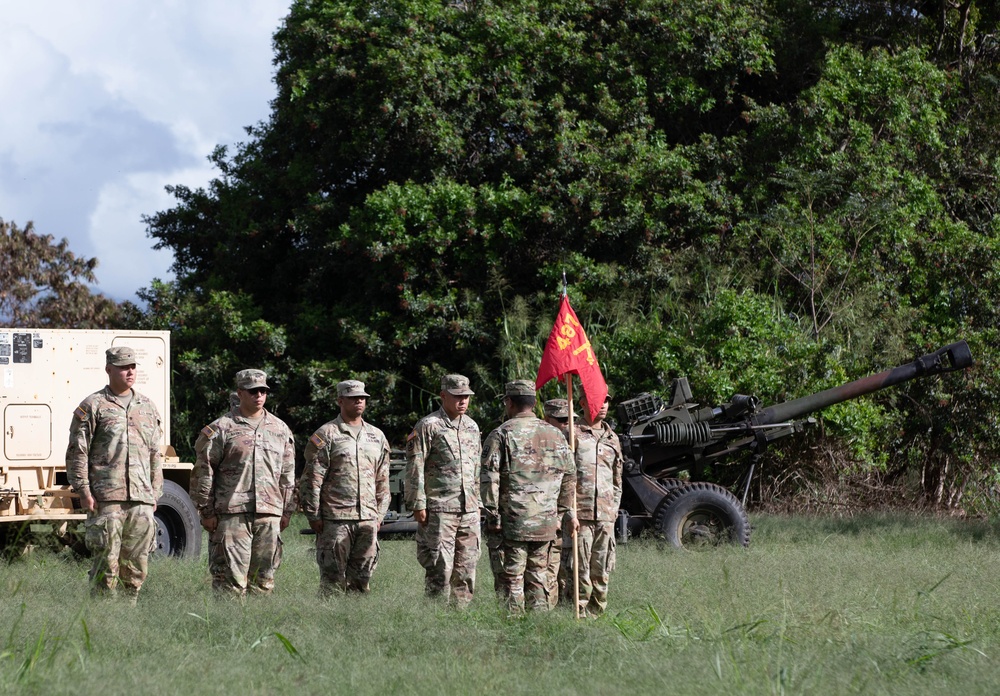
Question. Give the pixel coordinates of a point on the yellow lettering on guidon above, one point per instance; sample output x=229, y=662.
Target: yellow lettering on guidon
x=590, y=353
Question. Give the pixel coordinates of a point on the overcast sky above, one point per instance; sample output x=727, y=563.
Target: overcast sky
x=105, y=102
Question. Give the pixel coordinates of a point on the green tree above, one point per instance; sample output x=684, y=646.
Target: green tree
x=426, y=162
x=44, y=284
x=769, y=197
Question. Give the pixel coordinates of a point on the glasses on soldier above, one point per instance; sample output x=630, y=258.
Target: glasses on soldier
x=259, y=390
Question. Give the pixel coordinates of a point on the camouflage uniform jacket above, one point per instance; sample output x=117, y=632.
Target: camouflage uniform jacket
x=114, y=451
x=527, y=478
x=346, y=477
x=598, y=473
x=442, y=464
x=243, y=466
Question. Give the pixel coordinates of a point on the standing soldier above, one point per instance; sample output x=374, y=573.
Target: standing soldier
x=556, y=413
x=598, y=493
x=527, y=484
x=345, y=493
x=114, y=462
x=242, y=483
x=442, y=491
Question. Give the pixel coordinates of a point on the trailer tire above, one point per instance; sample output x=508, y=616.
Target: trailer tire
x=178, y=525
x=702, y=514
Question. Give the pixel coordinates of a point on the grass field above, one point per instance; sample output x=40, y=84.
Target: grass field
x=880, y=605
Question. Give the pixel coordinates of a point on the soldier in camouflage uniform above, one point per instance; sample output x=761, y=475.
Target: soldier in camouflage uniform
x=345, y=493
x=598, y=494
x=442, y=490
x=556, y=412
x=114, y=464
x=242, y=484
x=527, y=485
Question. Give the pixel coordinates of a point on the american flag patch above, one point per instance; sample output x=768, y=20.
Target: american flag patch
x=317, y=440
x=411, y=436
x=207, y=431
x=80, y=412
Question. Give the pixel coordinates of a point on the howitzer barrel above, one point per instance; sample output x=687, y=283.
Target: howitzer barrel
x=948, y=359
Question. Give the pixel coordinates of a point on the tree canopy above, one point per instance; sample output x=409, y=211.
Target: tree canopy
x=770, y=198
x=44, y=284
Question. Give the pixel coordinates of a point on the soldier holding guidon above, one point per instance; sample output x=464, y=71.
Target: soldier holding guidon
x=243, y=484
x=114, y=464
x=345, y=493
x=556, y=412
x=442, y=490
x=599, y=463
x=527, y=486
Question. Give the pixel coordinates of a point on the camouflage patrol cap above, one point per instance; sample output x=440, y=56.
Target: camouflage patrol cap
x=557, y=408
x=351, y=388
x=251, y=379
x=120, y=356
x=519, y=387
x=456, y=385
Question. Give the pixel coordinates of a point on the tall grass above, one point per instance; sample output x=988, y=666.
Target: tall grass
x=870, y=606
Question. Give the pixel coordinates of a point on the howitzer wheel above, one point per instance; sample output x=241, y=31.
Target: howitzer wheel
x=671, y=483
x=702, y=514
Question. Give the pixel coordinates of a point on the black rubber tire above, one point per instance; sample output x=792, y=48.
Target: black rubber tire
x=671, y=483
x=702, y=514
x=178, y=525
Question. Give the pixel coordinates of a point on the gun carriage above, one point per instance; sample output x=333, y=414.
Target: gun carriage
x=661, y=439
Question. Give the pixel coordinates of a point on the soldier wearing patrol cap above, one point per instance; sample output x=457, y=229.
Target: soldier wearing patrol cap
x=114, y=464
x=527, y=484
x=442, y=490
x=243, y=484
x=556, y=412
x=599, y=465
x=345, y=493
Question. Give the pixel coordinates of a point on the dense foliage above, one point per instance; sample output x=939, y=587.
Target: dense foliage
x=44, y=284
x=771, y=198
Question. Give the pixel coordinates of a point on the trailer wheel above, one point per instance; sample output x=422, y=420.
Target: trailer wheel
x=702, y=514
x=178, y=525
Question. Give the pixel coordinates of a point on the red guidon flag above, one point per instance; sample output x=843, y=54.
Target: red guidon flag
x=568, y=351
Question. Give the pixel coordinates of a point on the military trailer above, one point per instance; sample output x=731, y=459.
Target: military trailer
x=46, y=373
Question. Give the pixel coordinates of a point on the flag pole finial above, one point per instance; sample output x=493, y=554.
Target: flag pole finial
x=565, y=291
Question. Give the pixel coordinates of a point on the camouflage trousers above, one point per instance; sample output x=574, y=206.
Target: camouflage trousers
x=494, y=546
x=448, y=550
x=525, y=575
x=555, y=580
x=120, y=536
x=596, y=556
x=244, y=553
x=347, y=553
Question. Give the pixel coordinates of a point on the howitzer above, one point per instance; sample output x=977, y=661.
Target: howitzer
x=661, y=439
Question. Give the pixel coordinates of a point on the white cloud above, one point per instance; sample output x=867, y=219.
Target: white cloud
x=108, y=101
x=117, y=233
